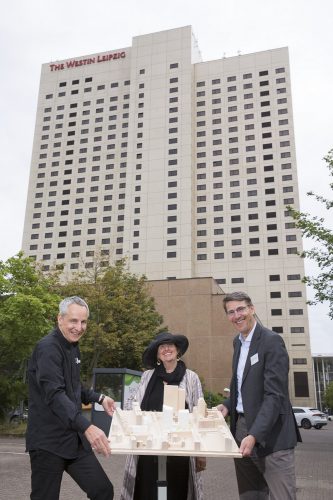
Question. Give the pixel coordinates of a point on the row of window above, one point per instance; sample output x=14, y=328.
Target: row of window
x=215, y=81
x=236, y=206
x=234, y=229
x=247, y=159
x=200, y=232
x=272, y=277
x=238, y=241
x=234, y=108
x=293, y=329
x=173, y=130
x=170, y=184
x=112, y=85
x=116, y=84
x=245, y=86
x=232, y=140
x=236, y=194
x=252, y=253
x=277, y=295
x=246, y=76
x=270, y=239
x=235, y=128
x=170, y=218
x=173, y=140
x=247, y=116
x=107, y=241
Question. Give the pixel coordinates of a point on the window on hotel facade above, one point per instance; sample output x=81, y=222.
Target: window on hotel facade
x=296, y=312
x=301, y=384
x=297, y=329
x=299, y=361
x=254, y=253
x=237, y=280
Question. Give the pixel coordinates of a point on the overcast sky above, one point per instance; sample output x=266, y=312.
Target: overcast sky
x=41, y=31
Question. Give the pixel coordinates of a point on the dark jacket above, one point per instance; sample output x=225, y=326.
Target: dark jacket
x=55, y=421
x=267, y=409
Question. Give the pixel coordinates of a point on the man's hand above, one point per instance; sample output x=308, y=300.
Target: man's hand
x=247, y=445
x=98, y=440
x=109, y=405
x=223, y=409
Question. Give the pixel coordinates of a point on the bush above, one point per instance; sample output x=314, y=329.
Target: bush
x=213, y=399
x=7, y=429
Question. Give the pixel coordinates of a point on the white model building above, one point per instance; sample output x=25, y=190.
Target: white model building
x=174, y=431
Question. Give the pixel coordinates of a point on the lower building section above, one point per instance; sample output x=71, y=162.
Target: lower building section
x=194, y=307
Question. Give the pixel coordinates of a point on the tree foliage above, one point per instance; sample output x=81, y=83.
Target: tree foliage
x=322, y=254
x=28, y=306
x=328, y=396
x=123, y=318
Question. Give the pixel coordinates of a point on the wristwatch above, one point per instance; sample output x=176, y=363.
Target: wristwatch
x=101, y=399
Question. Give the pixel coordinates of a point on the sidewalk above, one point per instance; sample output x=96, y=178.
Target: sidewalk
x=314, y=471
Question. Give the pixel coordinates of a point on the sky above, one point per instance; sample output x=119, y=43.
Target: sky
x=41, y=31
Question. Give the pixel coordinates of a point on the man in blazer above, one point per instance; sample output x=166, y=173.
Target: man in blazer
x=261, y=416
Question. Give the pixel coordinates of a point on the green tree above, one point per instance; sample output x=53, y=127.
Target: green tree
x=28, y=306
x=315, y=229
x=328, y=396
x=123, y=318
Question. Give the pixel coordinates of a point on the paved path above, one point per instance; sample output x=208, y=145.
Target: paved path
x=314, y=469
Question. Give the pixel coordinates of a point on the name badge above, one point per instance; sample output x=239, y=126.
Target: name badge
x=254, y=359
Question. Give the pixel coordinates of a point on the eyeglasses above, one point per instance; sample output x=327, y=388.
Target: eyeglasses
x=239, y=310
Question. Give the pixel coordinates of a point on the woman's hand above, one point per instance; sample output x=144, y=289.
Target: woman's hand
x=200, y=464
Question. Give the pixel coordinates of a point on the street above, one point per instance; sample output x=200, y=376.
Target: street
x=314, y=470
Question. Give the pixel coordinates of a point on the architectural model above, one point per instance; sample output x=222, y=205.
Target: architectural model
x=174, y=431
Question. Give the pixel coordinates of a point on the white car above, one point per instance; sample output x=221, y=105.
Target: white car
x=307, y=417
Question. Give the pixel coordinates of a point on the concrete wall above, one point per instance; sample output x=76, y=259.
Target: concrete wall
x=194, y=307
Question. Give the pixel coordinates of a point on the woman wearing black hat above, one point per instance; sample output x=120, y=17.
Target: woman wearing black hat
x=162, y=357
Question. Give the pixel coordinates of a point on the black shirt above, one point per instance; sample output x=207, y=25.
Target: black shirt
x=55, y=421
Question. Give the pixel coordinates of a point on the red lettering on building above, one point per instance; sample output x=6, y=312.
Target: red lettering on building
x=80, y=62
x=56, y=67
x=91, y=60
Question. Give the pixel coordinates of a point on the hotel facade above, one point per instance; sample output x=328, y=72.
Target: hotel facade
x=184, y=167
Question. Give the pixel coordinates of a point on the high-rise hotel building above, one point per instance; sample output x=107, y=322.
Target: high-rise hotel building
x=184, y=167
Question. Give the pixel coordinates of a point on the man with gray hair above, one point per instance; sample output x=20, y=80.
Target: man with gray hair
x=261, y=417
x=59, y=438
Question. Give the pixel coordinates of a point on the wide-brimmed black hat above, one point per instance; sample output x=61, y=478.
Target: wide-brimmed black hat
x=149, y=357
